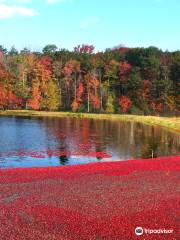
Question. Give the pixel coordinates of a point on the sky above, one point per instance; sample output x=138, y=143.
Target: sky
x=102, y=23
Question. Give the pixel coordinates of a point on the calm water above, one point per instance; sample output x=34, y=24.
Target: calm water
x=29, y=142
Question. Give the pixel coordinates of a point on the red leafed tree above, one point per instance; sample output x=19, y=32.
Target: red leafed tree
x=13, y=101
x=157, y=107
x=125, y=103
x=2, y=97
x=45, y=61
x=92, y=87
x=71, y=73
x=8, y=100
x=80, y=92
x=4, y=73
x=124, y=49
x=72, y=66
x=125, y=69
x=77, y=101
x=95, y=101
x=84, y=49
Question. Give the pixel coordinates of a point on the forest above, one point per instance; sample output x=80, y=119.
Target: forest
x=142, y=81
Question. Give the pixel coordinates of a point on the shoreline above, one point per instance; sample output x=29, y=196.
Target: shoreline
x=92, y=201
x=102, y=165
x=171, y=123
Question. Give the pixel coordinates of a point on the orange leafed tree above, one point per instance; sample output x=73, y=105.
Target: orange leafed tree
x=34, y=102
x=76, y=103
x=8, y=100
x=40, y=72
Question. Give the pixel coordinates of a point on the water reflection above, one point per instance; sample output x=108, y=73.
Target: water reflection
x=150, y=148
x=63, y=160
x=76, y=138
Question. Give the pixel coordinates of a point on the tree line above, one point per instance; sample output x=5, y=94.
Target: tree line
x=140, y=81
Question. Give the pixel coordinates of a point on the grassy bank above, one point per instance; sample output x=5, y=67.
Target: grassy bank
x=172, y=123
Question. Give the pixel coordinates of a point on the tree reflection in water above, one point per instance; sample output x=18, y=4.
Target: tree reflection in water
x=150, y=148
x=63, y=159
x=74, y=141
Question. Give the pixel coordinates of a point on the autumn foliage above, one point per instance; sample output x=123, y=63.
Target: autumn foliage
x=125, y=69
x=157, y=107
x=8, y=99
x=34, y=102
x=125, y=103
x=118, y=80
